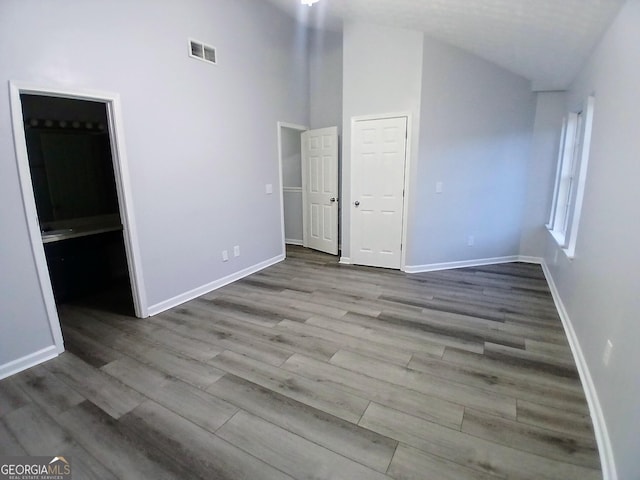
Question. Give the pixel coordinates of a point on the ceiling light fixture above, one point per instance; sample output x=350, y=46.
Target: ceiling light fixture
x=308, y=2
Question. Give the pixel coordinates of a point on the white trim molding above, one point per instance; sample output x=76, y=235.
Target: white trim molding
x=31, y=215
x=434, y=267
x=209, y=287
x=29, y=361
x=290, y=241
x=527, y=259
x=607, y=460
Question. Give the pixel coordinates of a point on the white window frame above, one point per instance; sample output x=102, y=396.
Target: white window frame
x=571, y=177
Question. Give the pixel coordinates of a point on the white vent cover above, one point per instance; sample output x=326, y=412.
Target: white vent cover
x=202, y=51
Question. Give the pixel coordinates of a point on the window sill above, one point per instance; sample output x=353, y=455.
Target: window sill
x=561, y=241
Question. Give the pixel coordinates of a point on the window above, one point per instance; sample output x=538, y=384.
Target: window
x=571, y=177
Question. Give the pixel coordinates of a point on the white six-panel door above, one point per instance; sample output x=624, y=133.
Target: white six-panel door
x=320, y=189
x=377, y=191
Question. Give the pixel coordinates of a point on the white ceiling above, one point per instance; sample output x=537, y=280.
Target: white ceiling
x=545, y=41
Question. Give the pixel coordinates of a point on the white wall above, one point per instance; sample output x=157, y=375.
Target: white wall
x=325, y=79
x=201, y=139
x=291, y=157
x=550, y=110
x=325, y=90
x=201, y=145
x=476, y=121
x=382, y=74
x=600, y=287
x=293, y=222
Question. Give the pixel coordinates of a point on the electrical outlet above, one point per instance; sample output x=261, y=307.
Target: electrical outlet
x=471, y=241
x=236, y=251
x=225, y=256
x=606, y=356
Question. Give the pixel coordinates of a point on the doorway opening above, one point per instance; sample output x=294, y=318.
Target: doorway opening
x=76, y=195
x=309, y=176
x=290, y=154
x=74, y=187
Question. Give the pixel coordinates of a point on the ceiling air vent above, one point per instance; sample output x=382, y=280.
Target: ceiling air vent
x=202, y=51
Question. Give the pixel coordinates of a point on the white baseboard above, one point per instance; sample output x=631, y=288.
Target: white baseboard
x=605, y=449
x=345, y=260
x=290, y=241
x=433, y=267
x=527, y=259
x=209, y=287
x=28, y=361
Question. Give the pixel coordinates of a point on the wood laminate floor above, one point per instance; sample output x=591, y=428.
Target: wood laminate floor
x=314, y=370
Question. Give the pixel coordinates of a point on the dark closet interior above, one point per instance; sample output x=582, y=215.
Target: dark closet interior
x=74, y=185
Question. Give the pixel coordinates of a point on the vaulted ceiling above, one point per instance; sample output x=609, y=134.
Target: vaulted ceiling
x=545, y=41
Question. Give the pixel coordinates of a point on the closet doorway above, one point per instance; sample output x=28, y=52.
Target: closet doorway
x=290, y=154
x=309, y=174
x=379, y=186
x=77, y=201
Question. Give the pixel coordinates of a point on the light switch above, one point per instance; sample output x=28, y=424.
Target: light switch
x=439, y=187
x=268, y=189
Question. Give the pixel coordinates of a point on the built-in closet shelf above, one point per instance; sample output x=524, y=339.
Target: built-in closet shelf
x=81, y=227
x=68, y=233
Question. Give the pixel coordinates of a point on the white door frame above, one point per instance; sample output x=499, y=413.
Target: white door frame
x=123, y=187
x=407, y=169
x=291, y=126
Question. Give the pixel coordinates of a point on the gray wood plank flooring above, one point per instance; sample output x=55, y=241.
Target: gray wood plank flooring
x=314, y=370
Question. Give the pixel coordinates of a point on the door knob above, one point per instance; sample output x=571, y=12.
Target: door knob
x=356, y=203
x=333, y=199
